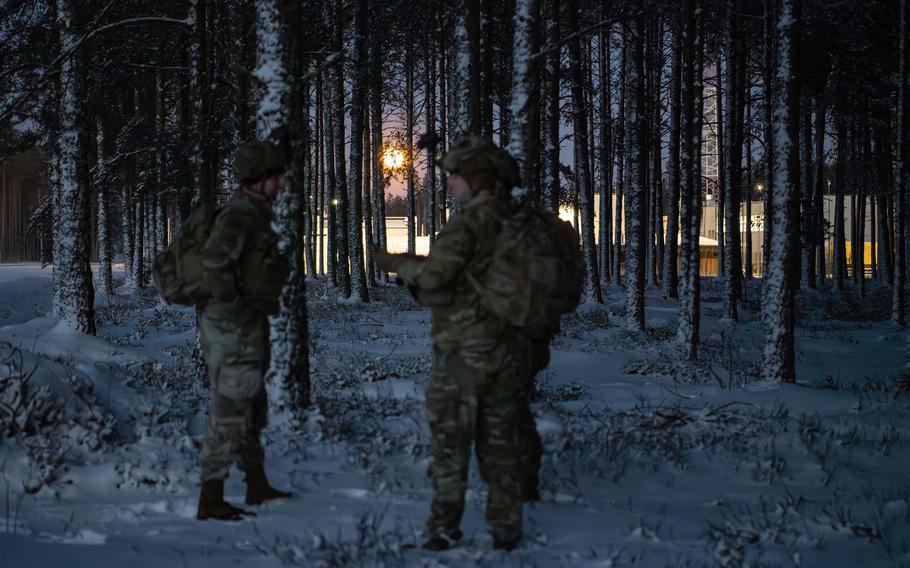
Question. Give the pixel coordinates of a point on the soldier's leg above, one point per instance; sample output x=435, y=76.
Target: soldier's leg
x=498, y=451
x=230, y=436
x=447, y=413
x=537, y=357
x=251, y=455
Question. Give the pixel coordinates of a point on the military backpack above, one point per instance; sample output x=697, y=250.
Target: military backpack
x=178, y=271
x=536, y=272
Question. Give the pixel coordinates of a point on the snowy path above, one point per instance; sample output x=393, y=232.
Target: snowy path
x=649, y=461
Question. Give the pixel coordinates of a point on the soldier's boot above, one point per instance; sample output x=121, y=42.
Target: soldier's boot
x=213, y=506
x=258, y=490
x=443, y=540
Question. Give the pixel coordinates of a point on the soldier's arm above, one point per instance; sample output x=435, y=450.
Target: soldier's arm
x=448, y=257
x=220, y=254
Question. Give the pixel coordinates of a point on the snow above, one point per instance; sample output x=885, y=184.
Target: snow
x=650, y=460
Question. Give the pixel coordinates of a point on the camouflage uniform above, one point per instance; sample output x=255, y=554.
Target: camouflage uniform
x=481, y=377
x=244, y=274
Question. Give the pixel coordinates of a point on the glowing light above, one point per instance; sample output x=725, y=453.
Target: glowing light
x=759, y=186
x=334, y=202
x=567, y=214
x=392, y=158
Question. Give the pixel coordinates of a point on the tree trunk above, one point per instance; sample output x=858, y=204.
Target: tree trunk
x=73, y=300
x=901, y=171
x=551, y=166
x=199, y=88
x=486, y=69
x=582, y=172
x=839, y=272
x=463, y=94
x=748, y=270
x=605, y=151
x=807, y=226
x=279, y=53
x=369, y=162
x=721, y=190
x=379, y=230
x=670, y=269
x=331, y=198
x=524, y=108
x=619, y=246
x=778, y=307
x=341, y=176
x=768, y=80
x=655, y=211
x=818, y=200
x=358, y=107
x=690, y=200
x=409, y=144
x=636, y=171
x=102, y=189
x=734, y=91
x=430, y=109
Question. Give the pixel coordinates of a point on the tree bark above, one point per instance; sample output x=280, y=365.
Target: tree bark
x=605, y=151
x=582, y=172
x=690, y=202
x=818, y=201
x=73, y=300
x=358, y=107
x=551, y=166
x=341, y=176
x=524, y=108
x=670, y=269
x=839, y=271
x=901, y=171
x=636, y=171
x=279, y=55
x=778, y=307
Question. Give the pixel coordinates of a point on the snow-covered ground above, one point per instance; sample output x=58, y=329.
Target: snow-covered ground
x=650, y=461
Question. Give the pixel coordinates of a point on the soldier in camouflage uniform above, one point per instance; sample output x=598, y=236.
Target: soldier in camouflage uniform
x=482, y=370
x=244, y=274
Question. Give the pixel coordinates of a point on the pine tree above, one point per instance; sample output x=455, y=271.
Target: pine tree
x=524, y=108
x=279, y=108
x=74, y=293
x=357, y=181
x=582, y=173
x=670, y=270
x=635, y=171
x=901, y=171
x=778, y=307
x=689, y=160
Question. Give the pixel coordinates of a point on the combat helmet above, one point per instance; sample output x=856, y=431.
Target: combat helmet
x=257, y=161
x=472, y=154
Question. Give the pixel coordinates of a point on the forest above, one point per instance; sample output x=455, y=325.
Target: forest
x=736, y=172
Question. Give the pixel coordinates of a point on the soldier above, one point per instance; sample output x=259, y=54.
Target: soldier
x=481, y=377
x=244, y=274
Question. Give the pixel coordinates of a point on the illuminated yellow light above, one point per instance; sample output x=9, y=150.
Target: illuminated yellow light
x=567, y=214
x=759, y=187
x=334, y=202
x=392, y=158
